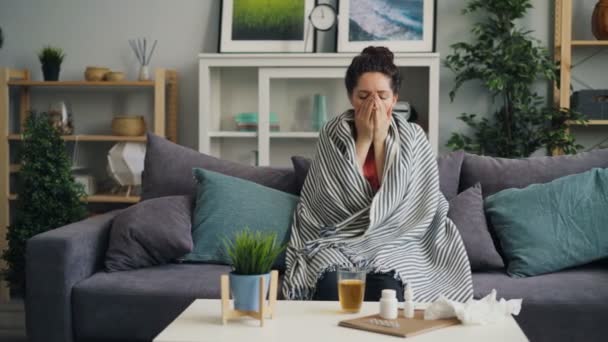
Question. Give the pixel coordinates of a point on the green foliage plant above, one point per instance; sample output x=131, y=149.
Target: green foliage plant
x=51, y=55
x=253, y=253
x=47, y=196
x=508, y=62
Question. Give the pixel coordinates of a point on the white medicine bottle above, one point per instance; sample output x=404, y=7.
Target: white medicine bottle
x=388, y=304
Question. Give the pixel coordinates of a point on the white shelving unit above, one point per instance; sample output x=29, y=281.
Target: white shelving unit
x=285, y=84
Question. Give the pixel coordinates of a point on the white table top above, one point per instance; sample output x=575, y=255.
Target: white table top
x=311, y=321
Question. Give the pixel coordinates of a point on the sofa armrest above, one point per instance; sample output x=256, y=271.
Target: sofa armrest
x=55, y=261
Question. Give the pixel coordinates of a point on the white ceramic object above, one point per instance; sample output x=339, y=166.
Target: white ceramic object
x=144, y=73
x=126, y=162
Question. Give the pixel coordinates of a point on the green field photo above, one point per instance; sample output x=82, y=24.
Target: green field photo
x=268, y=20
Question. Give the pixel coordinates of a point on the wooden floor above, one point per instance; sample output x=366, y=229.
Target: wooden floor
x=12, y=321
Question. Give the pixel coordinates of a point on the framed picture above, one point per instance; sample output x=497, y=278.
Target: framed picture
x=400, y=25
x=266, y=26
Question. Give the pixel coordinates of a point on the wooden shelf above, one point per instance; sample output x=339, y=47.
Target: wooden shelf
x=100, y=198
x=232, y=134
x=295, y=135
x=589, y=123
x=14, y=111
x=237, y=134
x=27, y=83
x=86, y=137
x=111, y=199
x=590, y=43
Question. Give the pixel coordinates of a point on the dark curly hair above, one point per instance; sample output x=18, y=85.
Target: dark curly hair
x=373, y=59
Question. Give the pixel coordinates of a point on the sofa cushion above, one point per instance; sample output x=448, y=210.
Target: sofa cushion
x=449, y=166
x=547, y=227
x=150, y=233
x=139, y=304
x=570, y=305
x=449, y=172
x=168, y=170
x=227, y=205
x=300, y=167
x=466, y=211
x=497, y=174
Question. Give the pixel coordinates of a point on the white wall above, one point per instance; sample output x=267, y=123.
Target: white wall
x=95, y=32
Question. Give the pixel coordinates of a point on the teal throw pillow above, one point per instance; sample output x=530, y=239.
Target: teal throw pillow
x=548, y=227
x=226, y=205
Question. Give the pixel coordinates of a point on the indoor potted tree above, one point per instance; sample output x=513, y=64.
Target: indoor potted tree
x=51, y=59
x=508, y=62
x=252, y=255
x=47, y=195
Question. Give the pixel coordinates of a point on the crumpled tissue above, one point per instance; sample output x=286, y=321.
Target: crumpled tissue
x=483, y=311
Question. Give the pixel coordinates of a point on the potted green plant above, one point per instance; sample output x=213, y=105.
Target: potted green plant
x=47, y=195
x=51, y=59
x=508, y=62
x=252, y=255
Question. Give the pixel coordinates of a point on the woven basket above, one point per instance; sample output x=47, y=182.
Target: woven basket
x=128, y=125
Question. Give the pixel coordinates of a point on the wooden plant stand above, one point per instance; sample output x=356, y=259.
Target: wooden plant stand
x=229, y=313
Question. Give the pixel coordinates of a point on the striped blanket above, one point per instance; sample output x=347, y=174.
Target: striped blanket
x=403, y=227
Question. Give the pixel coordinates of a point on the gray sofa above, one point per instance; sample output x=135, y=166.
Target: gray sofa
x=71, y=297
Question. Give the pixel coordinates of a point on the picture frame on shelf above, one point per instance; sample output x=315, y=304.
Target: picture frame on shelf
x=250, y=26
x=400, y=25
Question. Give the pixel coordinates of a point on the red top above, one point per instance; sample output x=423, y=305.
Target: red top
x=370, y=172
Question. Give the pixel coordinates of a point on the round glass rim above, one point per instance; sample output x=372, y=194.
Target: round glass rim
x=347, y=269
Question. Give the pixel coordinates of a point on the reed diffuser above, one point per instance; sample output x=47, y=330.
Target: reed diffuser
x=140, y=48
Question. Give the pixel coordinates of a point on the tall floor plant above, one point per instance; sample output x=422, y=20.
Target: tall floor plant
x=508, y=62
x=48, y=196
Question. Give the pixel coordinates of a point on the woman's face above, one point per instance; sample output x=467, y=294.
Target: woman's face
x=370, y=84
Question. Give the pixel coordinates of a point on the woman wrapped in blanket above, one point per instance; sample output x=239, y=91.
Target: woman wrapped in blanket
x=371, y=200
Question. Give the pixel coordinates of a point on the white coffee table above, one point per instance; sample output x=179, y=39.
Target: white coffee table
x=311, y=322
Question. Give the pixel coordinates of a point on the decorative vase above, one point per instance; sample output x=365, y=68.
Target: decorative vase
x=319, y=111
x=144, y=73
x=599, y=22
x=60, y=114
x=51, y=72
x=126, y=163
x=246, y=290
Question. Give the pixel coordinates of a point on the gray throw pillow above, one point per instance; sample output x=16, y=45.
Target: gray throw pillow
x=150, y=233
x=467, y=212
x=448, y=164
x=449, y=173
x=168, y=170
x=496, y=174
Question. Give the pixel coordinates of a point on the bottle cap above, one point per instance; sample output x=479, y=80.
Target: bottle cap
x=389, y=294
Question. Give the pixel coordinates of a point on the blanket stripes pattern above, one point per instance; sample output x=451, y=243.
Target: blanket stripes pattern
x=340, y=222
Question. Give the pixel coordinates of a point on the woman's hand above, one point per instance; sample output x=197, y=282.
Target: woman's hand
x=364, y=122
x=381, y=122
